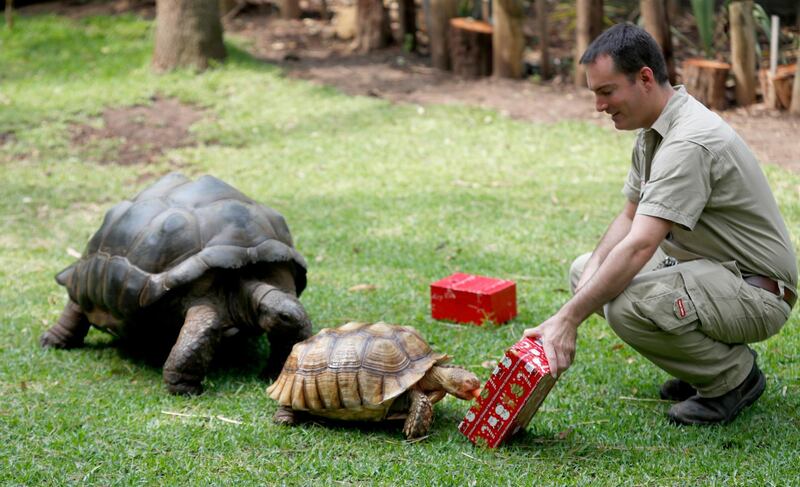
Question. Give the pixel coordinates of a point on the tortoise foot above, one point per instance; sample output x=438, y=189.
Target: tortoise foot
x=53, y=339
x=285, y=416
x=182, y=387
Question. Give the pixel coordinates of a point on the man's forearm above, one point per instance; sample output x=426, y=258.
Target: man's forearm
x=619, y=267
x=616, y=231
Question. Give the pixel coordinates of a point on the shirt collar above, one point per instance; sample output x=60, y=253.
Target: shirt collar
x=663, y=122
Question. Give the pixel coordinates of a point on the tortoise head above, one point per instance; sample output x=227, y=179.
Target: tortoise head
x=280, y=312
x=456, y=380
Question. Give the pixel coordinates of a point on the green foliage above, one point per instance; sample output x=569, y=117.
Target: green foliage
x=391, y=195
x=704, y=17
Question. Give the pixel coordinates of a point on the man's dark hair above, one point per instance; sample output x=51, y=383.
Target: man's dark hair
x=631, y=48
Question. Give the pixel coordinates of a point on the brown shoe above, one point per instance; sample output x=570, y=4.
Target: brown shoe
x=721, y=409
x=676, y=390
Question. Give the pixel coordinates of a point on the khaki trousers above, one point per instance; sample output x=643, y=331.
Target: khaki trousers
x=693, y=319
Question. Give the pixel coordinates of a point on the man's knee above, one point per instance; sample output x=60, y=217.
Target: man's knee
x=621, y=317
x=576, y=270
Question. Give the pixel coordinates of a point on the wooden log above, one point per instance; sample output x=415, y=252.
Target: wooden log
x=777, y=88
x=470, y=47
x=743, y=50
x=705, y=80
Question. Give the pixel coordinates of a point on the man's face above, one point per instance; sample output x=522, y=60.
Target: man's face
x=616, y=94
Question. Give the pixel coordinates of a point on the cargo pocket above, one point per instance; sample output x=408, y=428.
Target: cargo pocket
x=730, y=310
x=663, y=299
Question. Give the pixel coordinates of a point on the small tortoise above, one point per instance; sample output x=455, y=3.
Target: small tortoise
x=182, y=266
x=368, y=372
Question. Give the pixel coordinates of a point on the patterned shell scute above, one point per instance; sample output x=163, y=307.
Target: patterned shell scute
x=170, y=234
x=354, y=371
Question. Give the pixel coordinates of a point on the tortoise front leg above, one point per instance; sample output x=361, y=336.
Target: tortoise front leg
x=70, y=329
x=420, y=415
x=192, y=353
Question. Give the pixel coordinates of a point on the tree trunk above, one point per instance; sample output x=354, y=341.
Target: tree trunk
x=656, y=22
x=743, y=50
x=188, y=34
x=705, y=80
x=226, y=6
x=544, y=39
x=508, y=41
x=794, y=109
x=10, y=14
x=471, y=47
x=290, y=9
x=440, y=13
x=407, y=23
x=372, y=25
x=589, y=24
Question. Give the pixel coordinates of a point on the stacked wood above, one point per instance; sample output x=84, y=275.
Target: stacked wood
x=777, y=88
x=705, y=80
x=470, y=47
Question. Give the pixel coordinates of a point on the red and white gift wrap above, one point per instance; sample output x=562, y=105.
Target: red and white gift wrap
x=511, y=396
x=467, y=298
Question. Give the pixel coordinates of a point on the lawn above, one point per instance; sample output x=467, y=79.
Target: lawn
x=395, y=196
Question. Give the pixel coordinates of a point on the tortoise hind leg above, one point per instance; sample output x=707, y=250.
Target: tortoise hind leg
x=285, y=416
x=70, y=329
x=192, y=353
x=420, y=415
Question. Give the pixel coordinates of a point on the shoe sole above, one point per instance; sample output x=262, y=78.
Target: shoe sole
x=746, y=401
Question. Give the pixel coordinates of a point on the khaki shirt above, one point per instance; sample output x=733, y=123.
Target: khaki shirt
x=693, y=169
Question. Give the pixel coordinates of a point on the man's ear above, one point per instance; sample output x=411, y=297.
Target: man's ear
x=646, y=77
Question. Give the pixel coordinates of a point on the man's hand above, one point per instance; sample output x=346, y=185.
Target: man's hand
x=558, y=340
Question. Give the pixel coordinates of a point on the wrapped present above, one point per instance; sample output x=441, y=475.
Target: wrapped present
x=511, y=396
x=466, y=298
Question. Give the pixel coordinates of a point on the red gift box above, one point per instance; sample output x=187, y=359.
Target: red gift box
x=465, y=298
x=511, y=396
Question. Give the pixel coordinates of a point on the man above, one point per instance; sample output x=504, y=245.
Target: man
x=699, y=262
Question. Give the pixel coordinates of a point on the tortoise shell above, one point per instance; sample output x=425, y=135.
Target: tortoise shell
x=355, y=371
x=171, y=234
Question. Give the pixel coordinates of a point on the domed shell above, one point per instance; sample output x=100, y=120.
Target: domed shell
x=170, y=234
x=354, y=371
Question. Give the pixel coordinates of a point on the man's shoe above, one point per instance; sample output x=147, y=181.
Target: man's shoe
x=721, y=409
x=676, y=390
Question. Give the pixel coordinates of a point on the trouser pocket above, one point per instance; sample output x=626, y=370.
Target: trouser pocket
x=661, y=297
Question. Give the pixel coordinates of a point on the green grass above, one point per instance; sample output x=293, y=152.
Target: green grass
x=374, y=193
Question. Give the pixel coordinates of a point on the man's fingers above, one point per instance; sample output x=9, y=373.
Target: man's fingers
x=552, y=359
x=531, y=332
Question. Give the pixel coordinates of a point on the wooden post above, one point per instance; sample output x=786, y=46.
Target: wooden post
x=794, y=109
x=290, y=9
x=372, y=25
x=10, y=14
x=743, y=52
x=441, y=11
x=705, y=80
x=588, y=25
x=544, y=39
x=508, y=41
x=470, y=47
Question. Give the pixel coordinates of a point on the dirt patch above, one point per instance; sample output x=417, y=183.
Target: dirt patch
x=138, y=134
x=308, y=50
x=6, y=137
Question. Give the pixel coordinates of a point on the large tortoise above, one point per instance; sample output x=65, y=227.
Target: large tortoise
x=368, y=372
x=186, y=264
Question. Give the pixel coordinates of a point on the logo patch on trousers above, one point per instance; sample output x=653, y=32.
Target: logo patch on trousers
x=680, y=308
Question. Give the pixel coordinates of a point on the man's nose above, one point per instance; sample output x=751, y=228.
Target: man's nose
x=600, y=105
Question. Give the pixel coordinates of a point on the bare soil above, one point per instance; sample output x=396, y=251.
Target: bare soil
x=309, y=49
x=139, y=134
